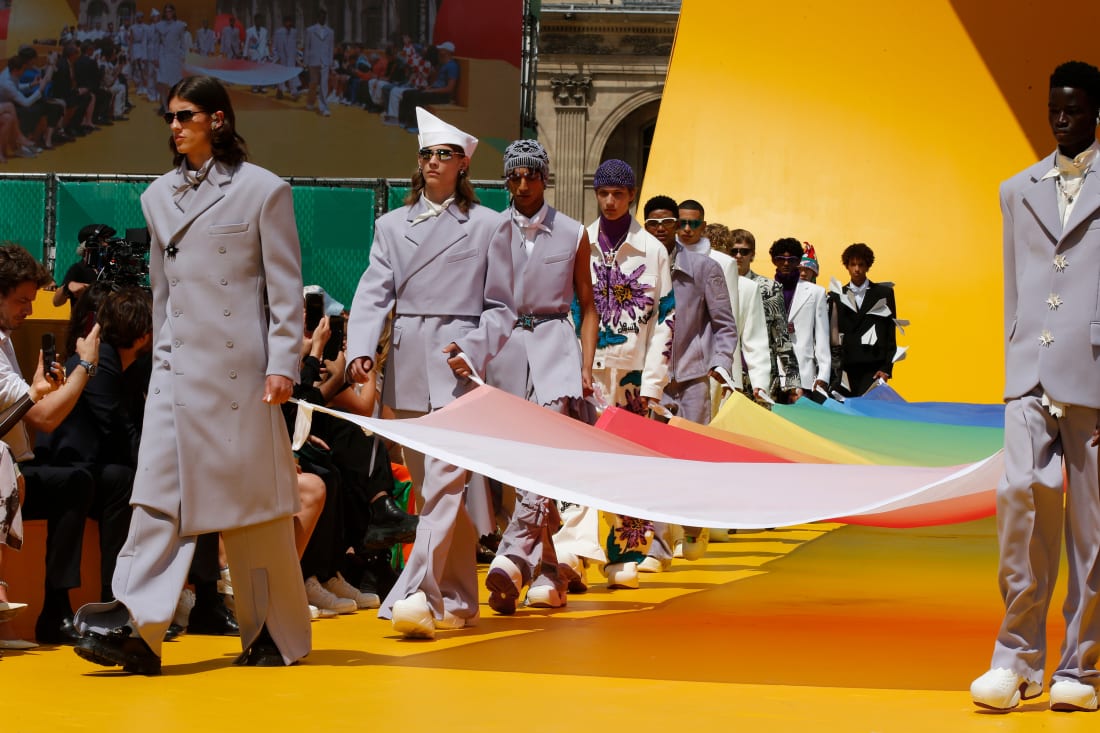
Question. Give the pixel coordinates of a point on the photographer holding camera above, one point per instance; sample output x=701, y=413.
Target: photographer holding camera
x=60, y=495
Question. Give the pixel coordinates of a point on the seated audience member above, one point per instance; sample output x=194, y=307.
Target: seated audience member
x=60, y=495
x=866, y=321
x=89, y=77
x=77, y=120
x=36, y=118
x=393, y=73
x=441, y=90
x=102, y=432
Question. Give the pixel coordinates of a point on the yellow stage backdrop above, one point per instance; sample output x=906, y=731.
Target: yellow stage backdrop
x=841, y=121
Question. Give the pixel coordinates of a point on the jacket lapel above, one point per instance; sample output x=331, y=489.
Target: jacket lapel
x=432, y=236
x=209, y=192
x=1041, y=198
x=801, y=294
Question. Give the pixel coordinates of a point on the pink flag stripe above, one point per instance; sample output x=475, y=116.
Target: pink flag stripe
x=496, y=434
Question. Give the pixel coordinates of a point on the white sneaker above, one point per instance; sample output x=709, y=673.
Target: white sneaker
x=652, y=565
x=183, y=607
x=696, y=547
x=622, y=575
x=1070, y=695
x=1002, y=689
x=503, y=581
x=450, y=621
x=719, y=534
x=545, y=596
x=574, y=570
x=412, y=617
x=315, y=612
x=321, y=597
x=341, y=588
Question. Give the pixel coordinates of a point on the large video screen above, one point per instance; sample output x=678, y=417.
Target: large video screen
x=319, y=89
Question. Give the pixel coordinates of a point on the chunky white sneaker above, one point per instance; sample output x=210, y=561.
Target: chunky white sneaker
x=183, y=607
x=622, y=575
x=1002, y=689
x=545, y=596
x=504, y=581
x=321, y=597
x=450, y=621
x=696, y=547
x=1070, y=695
x=652, y=565
x=412, y=617
x=343, y=589
x=575, y=572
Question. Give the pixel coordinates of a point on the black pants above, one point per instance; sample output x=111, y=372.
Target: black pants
x=63, y=497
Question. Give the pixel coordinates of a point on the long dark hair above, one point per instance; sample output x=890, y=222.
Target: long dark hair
x=464, y=192
x=208, y=94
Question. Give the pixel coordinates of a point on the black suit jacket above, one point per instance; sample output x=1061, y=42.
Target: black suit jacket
x=854, y=325
x=86, y=73
x=104, y=426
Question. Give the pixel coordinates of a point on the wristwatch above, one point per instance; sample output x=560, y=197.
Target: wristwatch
x=89, y=366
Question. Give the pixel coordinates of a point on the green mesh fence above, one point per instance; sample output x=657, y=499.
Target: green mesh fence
x=335, y=222
x=79, y=203
x=336, y=228
x=23, y=214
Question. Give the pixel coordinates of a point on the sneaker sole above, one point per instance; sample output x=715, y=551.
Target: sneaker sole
x=503, y=593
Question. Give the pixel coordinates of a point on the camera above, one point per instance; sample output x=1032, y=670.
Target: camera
x=121, y=261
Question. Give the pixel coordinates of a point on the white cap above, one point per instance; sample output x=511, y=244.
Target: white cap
x=446, y=46
x=434, y=131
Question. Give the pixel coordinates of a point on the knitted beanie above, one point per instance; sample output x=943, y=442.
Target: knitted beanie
x=613, y=173
x=526, y=154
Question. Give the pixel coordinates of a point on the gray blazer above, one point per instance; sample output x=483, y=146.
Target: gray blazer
x=318, y=48
x=550, y=352
x=447, y=278
x=704, y=333
x=1052, y=288
x=227, y=313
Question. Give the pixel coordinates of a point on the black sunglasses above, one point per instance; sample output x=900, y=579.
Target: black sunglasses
x=184, y=116
x=741, y=251
x=444, y=154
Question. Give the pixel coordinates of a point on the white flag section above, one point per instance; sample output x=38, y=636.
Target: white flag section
x=239, y=71
x=521, y=444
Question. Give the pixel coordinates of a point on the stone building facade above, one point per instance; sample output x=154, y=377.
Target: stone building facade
x=601, y=71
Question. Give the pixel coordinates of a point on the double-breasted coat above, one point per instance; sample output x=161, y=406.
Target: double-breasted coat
x=225, y=269
x=448, y=278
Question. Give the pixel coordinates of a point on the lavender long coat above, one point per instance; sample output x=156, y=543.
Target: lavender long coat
x=212, y=450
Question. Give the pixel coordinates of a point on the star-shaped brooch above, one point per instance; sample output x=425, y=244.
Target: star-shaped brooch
x=1054, y=301
x=1060, y=263
x=171, y=251
x=1046, y=338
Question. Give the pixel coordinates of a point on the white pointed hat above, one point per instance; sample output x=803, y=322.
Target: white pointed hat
x=434, y=131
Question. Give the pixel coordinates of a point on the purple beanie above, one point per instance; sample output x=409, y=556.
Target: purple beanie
x=613, y=173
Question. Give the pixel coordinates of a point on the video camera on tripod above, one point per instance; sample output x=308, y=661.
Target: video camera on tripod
x=120, y=261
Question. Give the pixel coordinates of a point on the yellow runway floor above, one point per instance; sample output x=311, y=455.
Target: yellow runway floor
x=814, y=628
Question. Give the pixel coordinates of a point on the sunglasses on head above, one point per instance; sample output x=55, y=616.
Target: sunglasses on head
x=690, y=223
x=444, y=154
x=741, y=251
x=668, y=221
x=184, y=116
x=787, y=258
x=529, y=176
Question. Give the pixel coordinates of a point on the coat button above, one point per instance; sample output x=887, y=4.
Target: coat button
x=233, y=374
x=177, y=343
x=176, y=314
x=156, y=390
x=221, y=250
x=225, y=312
x=229, y=344
x=173, y=281
x=224, y=281
x=234, y=405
